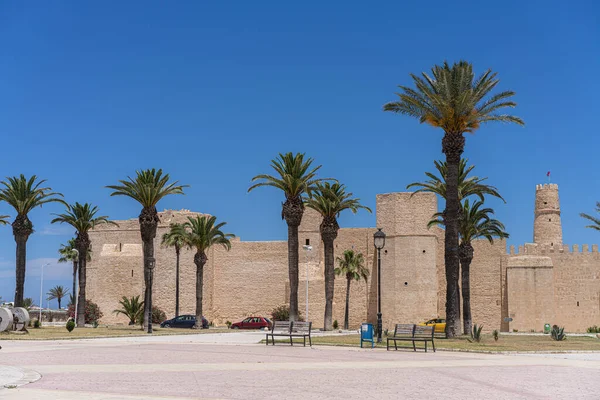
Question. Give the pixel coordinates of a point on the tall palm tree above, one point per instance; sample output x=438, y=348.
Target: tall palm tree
x=175, y=238
x=351, y=265
x=595, y=221
x=24, y=195
x=131, y=308
x=329, y=200
x=294, y=177
x=475, y=222
x=148, y=188
x=83, y=218
x=68, y=253
x=57, y=292
x=454, y=100
x=204, y=233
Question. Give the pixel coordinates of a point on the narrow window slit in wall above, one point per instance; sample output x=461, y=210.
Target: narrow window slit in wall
x=132, y=273
x=308, y=242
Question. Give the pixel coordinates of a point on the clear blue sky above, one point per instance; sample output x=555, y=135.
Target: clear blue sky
x=211, y=92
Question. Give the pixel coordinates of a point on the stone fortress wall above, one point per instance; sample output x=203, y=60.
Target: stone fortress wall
x=544, y=282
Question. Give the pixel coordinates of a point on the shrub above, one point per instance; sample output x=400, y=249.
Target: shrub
x=477, y=333
x=593, y=329
x=495, y=334
x=92, y=312
x=335, y=324
x=158, y=315
x=228, y=323
x=36, y=323
x=557, y=333
x=70, y=325
x=282, y=313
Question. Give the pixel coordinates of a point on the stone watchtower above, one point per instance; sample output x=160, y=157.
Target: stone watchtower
x=547, y=228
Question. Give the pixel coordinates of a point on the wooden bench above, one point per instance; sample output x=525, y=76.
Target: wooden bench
x=412, y=333
x=291, y=330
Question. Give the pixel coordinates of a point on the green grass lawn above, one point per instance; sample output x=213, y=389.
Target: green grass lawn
x=519, y=343
x=61, y=333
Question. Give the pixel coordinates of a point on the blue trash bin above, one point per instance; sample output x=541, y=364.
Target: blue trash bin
x=366, y=334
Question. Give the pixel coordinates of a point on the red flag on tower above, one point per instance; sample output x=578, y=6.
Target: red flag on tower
x=548, y=174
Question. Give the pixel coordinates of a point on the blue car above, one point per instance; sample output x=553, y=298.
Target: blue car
x=184, y=321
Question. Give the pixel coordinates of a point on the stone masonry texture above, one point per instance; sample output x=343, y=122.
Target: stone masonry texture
x=542, y=282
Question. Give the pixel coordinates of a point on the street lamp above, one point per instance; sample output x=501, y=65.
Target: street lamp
x=379, y=241
x=75, y=287
x=42, y=291
x=151, y=262
x=308, y=249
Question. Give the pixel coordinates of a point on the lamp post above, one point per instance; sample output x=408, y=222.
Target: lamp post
x=42, y=291
x=75, y=299
x=308, y=249
x=379, y=241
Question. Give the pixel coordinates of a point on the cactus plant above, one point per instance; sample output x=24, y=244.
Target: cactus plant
x=495, y=334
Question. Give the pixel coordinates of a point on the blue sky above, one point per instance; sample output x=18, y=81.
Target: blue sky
x=211, y=92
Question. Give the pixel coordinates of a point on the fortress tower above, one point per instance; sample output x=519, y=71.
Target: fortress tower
x=547, y=228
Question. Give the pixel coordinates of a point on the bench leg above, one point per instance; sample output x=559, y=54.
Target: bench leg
x=267, y=339
x=291, y=341
x=433, y=345
x=304, y=341
x=426, y=346
x=396, y=344
x=414, y=346
x=309, y=341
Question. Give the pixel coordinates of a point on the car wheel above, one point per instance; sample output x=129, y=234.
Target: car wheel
x=235, y=327
x=195, y=326
x=166, y=326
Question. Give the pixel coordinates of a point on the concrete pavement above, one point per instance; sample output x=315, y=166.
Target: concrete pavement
x=232, y=366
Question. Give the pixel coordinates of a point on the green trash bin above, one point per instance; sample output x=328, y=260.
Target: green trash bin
x=546, y=328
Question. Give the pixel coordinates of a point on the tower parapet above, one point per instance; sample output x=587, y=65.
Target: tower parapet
x=547, y=227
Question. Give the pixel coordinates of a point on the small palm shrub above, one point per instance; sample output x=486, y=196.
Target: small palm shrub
x=335, y=324
x=282, y=313
x=70, y=325
x=228, y=323
x=557, y=333
x=92, y=312
x=36, y=323
x=131, y=308
x=158, y=315
x=593, y=329
x=495, y=334
x=477, y=333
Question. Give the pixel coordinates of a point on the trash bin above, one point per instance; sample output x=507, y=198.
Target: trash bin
x=546, y=328
x=367, y=334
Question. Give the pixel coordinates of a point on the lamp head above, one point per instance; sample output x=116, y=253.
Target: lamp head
x=379, y=239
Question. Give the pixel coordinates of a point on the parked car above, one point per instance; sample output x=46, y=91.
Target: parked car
x=184, y=321
x=439, y=324
x=253, y=323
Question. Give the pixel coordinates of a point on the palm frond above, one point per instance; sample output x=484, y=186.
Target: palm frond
x=204, y=233
x=82, y=217
x=26, y=194
x=595, y=220
x=352, y=266
x=148, y=187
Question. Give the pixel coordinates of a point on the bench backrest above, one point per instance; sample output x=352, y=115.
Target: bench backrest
x=281, y=327
x=404, y=330
x=424, y=331
x=301, y=327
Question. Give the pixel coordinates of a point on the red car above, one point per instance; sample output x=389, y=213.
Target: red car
x=253, y=323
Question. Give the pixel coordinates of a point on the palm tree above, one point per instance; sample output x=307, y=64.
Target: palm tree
x=329, y=200
x=294, y=177
x=132, y=309
x=57, y=292
x=467, y=185
x=352, y=265
x=595, y=221
x=475, y=223
x=148, y=188
x=24, y=195
x=27, y=303
x=457, y=102
x=175, y=238
x=83, y=218
x=68, y=253
x=203, y=234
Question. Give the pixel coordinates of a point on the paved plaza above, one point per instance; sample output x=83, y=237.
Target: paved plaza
x=234, y=366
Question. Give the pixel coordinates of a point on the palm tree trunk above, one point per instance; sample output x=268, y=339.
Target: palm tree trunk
x=346, y=314
x=329, y=228
x=292, y=212
x=148, y=224
x=199, y=259
x=22, y=228
x=59, y=299
x=83, y=244
x=466, y=257
x=452, y=146
x=74, y=281
x=177, y=250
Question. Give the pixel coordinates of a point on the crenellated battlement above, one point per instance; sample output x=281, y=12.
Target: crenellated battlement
x=535, y=249
x=545, y=186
